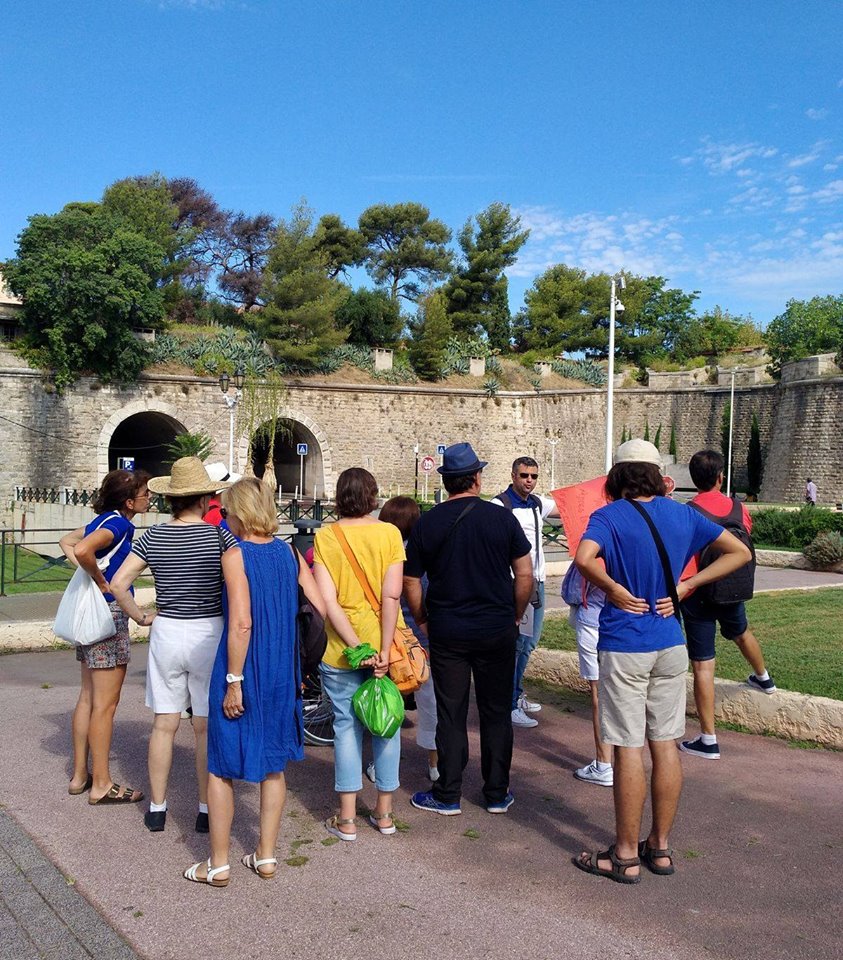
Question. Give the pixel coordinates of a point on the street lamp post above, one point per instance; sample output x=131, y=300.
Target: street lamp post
x=731, y=427
x=231, y=401
x=615, y=306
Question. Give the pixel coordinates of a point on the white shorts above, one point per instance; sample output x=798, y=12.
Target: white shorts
x=586, y=646
x=181, y=657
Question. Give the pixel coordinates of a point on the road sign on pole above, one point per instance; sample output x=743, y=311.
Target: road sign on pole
x=440, y=449
x=301, y=450
x=428, y=464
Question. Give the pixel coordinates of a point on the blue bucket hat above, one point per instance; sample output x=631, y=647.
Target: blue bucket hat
x=459, y=460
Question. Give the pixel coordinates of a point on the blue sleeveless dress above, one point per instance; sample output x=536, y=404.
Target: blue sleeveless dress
x=270, y=731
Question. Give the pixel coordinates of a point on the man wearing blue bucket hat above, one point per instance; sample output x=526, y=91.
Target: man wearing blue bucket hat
x=477, y=560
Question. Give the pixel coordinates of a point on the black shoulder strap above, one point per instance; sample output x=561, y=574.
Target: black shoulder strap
x=504, y=499
x=736, y=513
x=662, y=551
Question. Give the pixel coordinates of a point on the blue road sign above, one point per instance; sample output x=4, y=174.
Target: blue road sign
x=440, y=449
x=301, y=449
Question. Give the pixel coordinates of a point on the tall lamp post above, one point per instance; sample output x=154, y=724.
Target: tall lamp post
x=615, y=307
x=731, y=429
x=231, y=401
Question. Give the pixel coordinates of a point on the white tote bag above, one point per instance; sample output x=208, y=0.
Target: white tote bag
x=83, y=616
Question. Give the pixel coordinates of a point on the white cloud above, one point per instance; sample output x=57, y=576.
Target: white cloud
x=720, y=158
x=830, y=192
x=816, y=113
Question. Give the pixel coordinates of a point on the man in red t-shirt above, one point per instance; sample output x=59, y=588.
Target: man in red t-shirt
x=701, y=617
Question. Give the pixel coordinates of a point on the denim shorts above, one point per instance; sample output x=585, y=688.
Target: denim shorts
x=701, y=620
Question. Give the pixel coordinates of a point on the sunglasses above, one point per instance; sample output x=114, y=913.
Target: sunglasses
x=529, y=476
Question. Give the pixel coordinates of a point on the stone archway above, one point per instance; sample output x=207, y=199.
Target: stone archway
x=142, y=429
x=296, y=427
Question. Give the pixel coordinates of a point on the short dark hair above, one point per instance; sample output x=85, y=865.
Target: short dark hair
x=401, y=512
x=632, y=479
x=117, y=487
x=179, y=505
x=705, y=466
x=357, y=492
x=524, y=462
x=461, y=484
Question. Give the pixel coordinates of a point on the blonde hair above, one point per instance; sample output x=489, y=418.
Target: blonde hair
x=251, y=501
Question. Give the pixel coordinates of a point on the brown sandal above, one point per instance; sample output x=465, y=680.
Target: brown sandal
x=78, y=791
x=648, y=855
x=117, y=794
x=617, y=871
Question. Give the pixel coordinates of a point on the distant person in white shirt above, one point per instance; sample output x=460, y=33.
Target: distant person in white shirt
x=530, y=511
x=810, y=492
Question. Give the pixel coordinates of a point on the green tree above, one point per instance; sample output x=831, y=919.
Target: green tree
x=754, y=461
x=406, y=249
x=646, y=430
x=559, y=312
x=476, y=294
x=371, y=317
x=714, y=333
x=298, y=320
x=87, y=278
x=343, y=246
x=806, y=327
x=658, y=438
x=672, y=446
x=431, y=331
x=190, y=445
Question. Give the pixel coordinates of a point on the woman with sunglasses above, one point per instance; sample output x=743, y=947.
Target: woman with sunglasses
x=121, y=496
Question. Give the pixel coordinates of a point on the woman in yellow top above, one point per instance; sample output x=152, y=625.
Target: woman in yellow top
x=351, y=621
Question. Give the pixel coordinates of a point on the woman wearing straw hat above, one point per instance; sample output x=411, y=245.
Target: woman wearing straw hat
x=185, y=557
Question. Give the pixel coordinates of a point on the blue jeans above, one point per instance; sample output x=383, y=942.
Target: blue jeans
x=525, y=646
x=340, y=686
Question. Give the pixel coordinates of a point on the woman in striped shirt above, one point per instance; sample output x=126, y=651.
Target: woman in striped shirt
x=185, y=557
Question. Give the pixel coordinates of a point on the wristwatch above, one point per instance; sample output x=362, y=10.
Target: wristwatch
x=234, y=678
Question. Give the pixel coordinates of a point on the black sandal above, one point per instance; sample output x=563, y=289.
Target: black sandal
x=618, y=870
x=648, y=855
x=117, y=794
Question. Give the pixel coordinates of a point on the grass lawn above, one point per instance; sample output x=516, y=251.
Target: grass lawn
x=34, y=580
x=800, y=633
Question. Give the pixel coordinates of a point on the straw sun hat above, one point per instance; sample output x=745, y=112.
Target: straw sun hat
x=188, y=478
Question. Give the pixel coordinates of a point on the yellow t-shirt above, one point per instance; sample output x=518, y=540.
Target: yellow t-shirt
x=376, y=546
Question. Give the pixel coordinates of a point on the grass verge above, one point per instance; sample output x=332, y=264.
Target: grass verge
x=799, y=633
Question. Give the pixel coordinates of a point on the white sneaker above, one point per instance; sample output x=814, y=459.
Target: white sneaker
x=520, y=719
x=528, y=706
x=370, y=771
x=590, y=774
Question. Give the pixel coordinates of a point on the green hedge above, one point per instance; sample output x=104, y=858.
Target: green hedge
x=793, y=529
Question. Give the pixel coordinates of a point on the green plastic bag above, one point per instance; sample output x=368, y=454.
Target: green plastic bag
x=379, y=706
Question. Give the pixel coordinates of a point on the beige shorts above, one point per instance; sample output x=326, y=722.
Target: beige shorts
x=181, y=657
x=642, y=696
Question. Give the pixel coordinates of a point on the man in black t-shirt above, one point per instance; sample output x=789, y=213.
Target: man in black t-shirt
x=470, y=551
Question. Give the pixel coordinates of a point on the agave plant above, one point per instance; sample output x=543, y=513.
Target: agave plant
x=190, y=445
x=491, y=386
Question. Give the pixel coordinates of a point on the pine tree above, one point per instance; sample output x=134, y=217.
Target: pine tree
x=672, y=448
x=647, y=430
x=658, y=438
x=431, y=331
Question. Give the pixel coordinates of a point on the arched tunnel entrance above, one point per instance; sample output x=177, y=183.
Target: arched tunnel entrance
x=287, y=462
x=145, y=437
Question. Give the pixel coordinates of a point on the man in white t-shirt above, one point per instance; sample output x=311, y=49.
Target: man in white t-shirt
x=530, y=511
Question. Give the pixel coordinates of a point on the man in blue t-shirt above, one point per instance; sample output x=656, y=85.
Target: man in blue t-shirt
x=643, y=660
x=478, y=563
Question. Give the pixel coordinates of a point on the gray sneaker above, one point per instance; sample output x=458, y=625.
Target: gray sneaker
x=590, y=774
x=520, y=719
x=528, y=706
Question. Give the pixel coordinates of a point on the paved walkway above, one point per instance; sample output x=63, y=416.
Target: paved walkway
x=758, y=846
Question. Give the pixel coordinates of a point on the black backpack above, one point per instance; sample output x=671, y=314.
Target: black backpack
x=312, y=638
x=738, y=586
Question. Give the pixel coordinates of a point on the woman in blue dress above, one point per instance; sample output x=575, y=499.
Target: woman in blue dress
x=255, y=712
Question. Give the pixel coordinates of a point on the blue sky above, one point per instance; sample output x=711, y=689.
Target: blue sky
x=699, y=141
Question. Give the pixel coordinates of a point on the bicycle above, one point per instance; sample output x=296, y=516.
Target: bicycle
x=317, y=712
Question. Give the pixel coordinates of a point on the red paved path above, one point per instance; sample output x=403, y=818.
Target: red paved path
x=759, y=843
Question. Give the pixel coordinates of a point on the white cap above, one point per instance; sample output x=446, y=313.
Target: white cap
x=638, y=451
x=218, y=472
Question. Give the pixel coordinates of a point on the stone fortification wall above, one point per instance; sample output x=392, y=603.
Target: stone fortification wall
x=62, y=440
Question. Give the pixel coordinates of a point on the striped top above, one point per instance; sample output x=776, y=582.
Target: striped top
x=185, y=562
